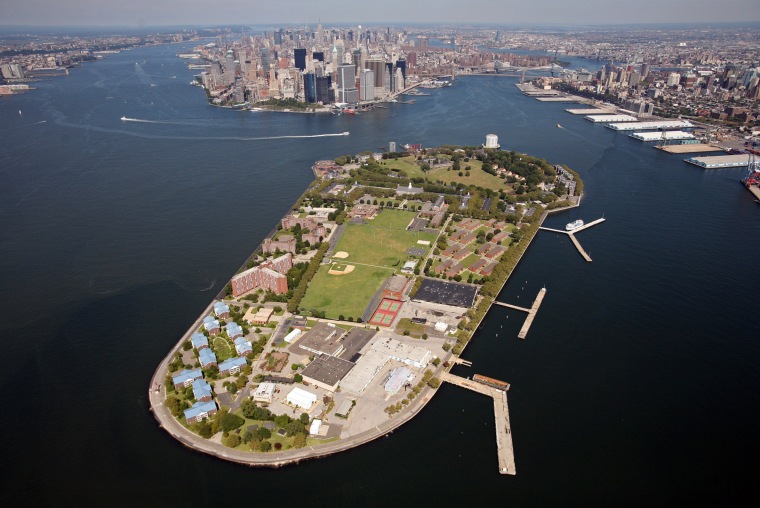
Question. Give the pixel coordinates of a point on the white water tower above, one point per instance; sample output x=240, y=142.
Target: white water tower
x=492, y=141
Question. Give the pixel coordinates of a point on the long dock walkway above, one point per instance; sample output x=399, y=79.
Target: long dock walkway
x=531, y=312
x=580, y=249
x=504, y=447
x=572, y=234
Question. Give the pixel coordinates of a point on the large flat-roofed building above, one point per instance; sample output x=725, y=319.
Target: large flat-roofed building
x=415, y=356
x=367, y=367
x=454, y=294
x=322, y=339
x=327, y=371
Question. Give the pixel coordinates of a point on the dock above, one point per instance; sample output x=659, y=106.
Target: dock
x=578, y=246
x=504, y=447
x=587, y=111
x=720, y=161
x=460, y=361
x=573, y=239
x=531, y=312
x=689, y=148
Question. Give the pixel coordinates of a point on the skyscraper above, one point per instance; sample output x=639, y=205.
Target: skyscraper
x=367, y=85
x=347, y=91
x=300, y=58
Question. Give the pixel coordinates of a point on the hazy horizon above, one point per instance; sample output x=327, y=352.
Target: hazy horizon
x=141, y=13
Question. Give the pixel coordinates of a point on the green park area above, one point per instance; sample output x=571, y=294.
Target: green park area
x=383, y=241
x=343, y=295
x=476, y=174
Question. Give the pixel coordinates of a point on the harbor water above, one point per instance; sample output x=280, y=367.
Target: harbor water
x=638, y=381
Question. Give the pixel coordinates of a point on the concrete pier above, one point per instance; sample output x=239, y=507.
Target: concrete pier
x=572, y=234
x=531, y=312
x=504, y=447
x=578, y=246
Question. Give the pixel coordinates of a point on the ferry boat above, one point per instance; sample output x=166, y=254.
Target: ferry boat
x=574, y=225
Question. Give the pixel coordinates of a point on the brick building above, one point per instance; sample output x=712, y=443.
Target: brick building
x=268, y=275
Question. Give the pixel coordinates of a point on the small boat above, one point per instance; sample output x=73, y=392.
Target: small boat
x=574, y=225
x=559, y=126
x=123, y=118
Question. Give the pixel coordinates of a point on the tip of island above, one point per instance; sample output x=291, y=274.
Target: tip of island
x=343, y=323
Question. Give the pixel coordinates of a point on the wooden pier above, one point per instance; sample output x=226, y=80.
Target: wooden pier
x=505, y=450
x=573, y=239
x=460, y=361
x=531, y=312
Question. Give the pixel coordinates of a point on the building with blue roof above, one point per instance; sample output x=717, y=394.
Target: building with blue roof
x=242, y=346
x=211, y=325
x=206, y=357
x=186, y=378
x=231, y=366
x=234, y=330
x=199, y=341
x=199, y=411
x=222, y=310
x=202, y=390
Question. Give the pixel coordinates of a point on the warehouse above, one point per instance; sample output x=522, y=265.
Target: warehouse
x=301, y=398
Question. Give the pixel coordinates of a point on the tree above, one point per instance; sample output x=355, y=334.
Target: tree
x=230, y=422
x=298, y=378
x=264, y=433
x=294, y=367
x=232, y=440
x=281, y=420
x=265, y=446
x=299, y=441
x=172, y=404
x=304, y=418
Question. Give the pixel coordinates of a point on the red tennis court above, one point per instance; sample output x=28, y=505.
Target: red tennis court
x=386, y=312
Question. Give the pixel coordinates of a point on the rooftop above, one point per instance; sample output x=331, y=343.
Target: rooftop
x=327, y=369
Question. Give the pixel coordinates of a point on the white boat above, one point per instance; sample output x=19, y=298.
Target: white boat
x=574, y=225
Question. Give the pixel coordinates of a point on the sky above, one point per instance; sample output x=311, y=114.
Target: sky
x=258, y=12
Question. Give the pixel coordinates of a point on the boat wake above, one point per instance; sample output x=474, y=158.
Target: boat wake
x=235, y=138
x=126, y=119
x=22, y=126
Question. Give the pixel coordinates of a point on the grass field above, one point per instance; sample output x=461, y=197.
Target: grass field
x=383, y=241
x=346, y=295
x=477, y=175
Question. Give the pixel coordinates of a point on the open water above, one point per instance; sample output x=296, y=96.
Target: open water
x=637, y=384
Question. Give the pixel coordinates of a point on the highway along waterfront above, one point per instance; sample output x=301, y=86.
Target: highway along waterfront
x=635, y=381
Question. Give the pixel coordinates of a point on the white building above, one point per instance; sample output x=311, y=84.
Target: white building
x=301, y=398
x=492, y=141
x=264, y=392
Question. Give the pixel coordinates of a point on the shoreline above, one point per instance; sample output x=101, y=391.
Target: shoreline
x=189, y=439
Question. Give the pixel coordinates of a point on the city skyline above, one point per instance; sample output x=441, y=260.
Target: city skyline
x=539, y=12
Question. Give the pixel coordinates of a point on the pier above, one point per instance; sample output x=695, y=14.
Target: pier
x=575, y=241
x=720, y=161
x=531, y=312
x=505, y=450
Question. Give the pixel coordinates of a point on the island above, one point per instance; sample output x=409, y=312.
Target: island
x=343, y=323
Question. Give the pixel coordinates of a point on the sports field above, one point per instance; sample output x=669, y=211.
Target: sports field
x=386, y=312
x=376, y=250
x=346, y=295
x=383, y=241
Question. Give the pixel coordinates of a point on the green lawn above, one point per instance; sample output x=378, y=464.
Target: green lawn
x=477, y=175
x=383, y=241
x=346, y=295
